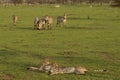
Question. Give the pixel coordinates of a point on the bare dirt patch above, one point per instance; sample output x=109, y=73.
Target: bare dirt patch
x=7, y=77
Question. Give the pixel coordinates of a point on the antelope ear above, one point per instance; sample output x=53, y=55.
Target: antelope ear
x=65, y=13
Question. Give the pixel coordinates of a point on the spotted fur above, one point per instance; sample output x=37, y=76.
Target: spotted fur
x=68, y=70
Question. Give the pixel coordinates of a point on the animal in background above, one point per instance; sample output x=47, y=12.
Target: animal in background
x=45, y=20
x=35, y=22
x=48, y=20
x=61, y=20
x=15, y=18
x=40, y=24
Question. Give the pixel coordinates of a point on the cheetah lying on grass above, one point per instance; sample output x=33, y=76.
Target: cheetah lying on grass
x=72, y=70
x=54, y=68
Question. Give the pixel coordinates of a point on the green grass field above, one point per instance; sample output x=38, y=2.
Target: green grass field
x=92, y=43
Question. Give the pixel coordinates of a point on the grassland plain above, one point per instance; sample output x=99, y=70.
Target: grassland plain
x=93, y=43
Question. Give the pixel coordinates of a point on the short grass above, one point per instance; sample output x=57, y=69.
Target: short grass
x=93, y=43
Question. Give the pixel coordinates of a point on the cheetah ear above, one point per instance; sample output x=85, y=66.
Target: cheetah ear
x=46, y=59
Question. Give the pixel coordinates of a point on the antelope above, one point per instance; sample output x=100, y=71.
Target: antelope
x=45, y=20
x=35, y=22
x=48, y=20
x=15, y=18
x=40, y=24
x=61, y=20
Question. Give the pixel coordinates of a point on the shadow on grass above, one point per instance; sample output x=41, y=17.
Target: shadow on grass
x=26, y=28
x=77, y=18
x=85, y=28
x=7, y=76
x=92, y=18
x=6, y=52
x=3, y=25
x=14, y=59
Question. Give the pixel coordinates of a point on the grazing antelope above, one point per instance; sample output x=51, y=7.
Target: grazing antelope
x=35, y=22
x=61, y=20
x=45, y=20
x=15, y=18
x=48, y=20
x=40, y=24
